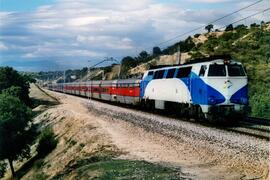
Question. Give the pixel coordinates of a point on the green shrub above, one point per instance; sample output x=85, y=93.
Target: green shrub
x=47, y=142
x=38, y=164
x=39, y=176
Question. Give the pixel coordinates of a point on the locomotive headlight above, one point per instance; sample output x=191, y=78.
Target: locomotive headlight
x=237, y=107
x=227, y=61
x=211, y=100
x=242, y=100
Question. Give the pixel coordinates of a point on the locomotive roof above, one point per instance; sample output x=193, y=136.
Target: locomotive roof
x=192, y=62
x=195, y=61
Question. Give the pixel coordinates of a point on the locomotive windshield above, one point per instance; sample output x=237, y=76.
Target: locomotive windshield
x=235, y=70
x=220, y=70
x=217, y=70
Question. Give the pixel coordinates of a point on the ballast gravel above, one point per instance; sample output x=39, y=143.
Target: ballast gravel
x=201, y=152
x=214, y=145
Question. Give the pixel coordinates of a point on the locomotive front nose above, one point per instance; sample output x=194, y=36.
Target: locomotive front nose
x=231, y=81
x=234, y=90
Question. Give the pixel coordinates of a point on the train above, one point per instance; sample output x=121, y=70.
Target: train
x=213, y=89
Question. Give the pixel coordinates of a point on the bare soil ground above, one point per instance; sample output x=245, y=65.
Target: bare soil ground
x=88, y=127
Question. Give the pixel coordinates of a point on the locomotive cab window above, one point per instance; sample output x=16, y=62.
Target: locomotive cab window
x=155, y=75
x=183, y=72
x=170, y=73
x=217, y=70
x=235, y=70
x=202, y=70
x=150, y=73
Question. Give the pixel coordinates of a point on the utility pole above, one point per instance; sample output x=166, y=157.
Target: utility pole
x=179, y=54
x=64, y=76
x=119, y=72
x=90, y=90
x=105, y=60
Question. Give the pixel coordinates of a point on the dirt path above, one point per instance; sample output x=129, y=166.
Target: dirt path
x=200, y=152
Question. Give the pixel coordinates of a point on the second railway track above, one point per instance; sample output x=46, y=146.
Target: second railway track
x=258, y=127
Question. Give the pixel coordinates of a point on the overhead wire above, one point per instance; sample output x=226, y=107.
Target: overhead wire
x=263, y=11
x=211, y=22
x=260, y=12
x=137, y=50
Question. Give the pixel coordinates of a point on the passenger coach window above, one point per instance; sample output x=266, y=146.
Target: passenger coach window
x=217, y=70
x=235, y=70
x=202, y=70
x=183, y=72
x=170, y=73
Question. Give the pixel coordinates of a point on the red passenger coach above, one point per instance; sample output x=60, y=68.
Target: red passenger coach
x=94, y=89
x=122, y=91
x=128, y=91
x=106, y=90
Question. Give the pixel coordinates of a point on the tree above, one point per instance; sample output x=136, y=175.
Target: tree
x=9, y=77
x=197, y=35
x=16, y=130
x=29, y=78
x=240, y=27
x=47, y=142
x=156, y=51
x=229, y=27
x=166, y=51
x=253, y=25
x=143, y=57
x=187, y=45
x=84, y=71
x=127, y=63
x=13, y=91
x=209, y=27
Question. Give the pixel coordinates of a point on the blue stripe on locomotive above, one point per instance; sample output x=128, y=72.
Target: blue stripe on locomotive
x=202, y=93
x=241, y=96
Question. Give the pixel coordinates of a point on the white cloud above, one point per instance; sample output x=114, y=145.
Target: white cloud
x=46, y=26
x=110, y=42
x=3, y=47
x=97, y=28
x=29, y=55
x=52, y=52
x=83, y=21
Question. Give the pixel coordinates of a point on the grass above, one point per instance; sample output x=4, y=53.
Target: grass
x=39, y=176
x=106, y=167
x=102, y=164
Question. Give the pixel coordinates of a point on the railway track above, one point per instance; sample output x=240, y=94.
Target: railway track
x=257, y=127
x=259, y=121
x=251, y=126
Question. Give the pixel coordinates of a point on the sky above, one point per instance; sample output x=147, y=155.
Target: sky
x=42, y=35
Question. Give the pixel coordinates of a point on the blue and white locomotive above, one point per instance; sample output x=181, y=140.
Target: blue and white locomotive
x=213, y=89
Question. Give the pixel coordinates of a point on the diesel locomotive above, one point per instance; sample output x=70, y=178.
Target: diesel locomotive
x=213, y=89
